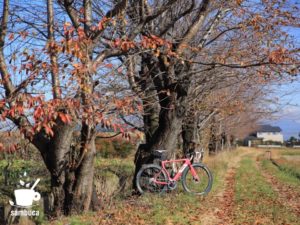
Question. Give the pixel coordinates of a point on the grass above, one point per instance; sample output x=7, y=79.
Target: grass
x=286, y=170
x=176, y=207
x=34, y=170
x=171, y=208
x=290, y=152
x=125, y=166
x=255, y=200
x=286, y=175
x=74, y=220
x=289, y=167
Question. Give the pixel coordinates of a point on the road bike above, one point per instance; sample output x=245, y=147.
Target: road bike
x=196, y=178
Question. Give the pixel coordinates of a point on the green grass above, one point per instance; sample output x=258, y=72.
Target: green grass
x=291, y=168
x=75, y=220
x=218, y=171
x=34, y=170
x=174, y=208
x=177, y=207
x=255, y=200
x=286, y=175
x=125, y=166
x=290, y=152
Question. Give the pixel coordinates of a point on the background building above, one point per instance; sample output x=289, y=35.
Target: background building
x=265, y=135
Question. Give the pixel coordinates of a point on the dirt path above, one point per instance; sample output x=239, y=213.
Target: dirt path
x=220, y=209
x=225, y=210
x=287, y=195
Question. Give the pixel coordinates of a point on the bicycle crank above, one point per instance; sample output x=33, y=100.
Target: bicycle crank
x=172, y=185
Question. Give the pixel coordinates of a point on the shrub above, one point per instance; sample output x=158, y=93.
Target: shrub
x=111, y=148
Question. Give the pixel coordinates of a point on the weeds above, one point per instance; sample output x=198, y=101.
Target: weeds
x=284, y=175
x=255, y=200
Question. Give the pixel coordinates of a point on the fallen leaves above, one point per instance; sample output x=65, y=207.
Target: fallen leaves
x=225, y=214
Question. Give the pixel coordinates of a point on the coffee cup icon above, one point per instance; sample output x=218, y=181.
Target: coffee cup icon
x=25, y=197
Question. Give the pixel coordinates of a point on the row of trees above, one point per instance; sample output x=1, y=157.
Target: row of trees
x=199, y=70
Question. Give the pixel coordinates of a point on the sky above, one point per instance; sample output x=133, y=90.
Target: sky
x=288, y=117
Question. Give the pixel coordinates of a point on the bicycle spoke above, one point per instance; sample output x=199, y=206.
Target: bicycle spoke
x=201, y=184
x=148, y=177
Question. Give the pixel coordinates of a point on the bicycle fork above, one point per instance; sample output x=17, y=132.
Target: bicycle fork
x=194, y=174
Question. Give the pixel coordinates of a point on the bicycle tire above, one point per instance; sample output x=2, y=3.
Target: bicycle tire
x=143, y=179
x=201, y=187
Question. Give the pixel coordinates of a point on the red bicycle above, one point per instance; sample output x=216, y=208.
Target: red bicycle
x=196, y=178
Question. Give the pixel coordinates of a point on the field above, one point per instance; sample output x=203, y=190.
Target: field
x=249, y=188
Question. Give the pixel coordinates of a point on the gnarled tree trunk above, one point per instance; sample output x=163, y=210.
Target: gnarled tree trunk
x=164, y=138
x=71, y=177
x=172, y=100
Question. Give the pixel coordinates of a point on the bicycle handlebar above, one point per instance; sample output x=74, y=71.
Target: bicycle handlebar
x=194, y=154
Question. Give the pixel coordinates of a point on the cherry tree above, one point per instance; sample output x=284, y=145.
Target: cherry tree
x=71, y=65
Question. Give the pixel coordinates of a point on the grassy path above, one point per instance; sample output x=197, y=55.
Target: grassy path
x=220, y=210
x=288, y=196
x=225, y=214
x=284, y=183
x=256, y=202
x=243, y=193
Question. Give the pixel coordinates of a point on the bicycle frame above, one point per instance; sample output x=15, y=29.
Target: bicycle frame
x=187, y=163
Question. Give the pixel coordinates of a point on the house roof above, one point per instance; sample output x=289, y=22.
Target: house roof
x=268, y=128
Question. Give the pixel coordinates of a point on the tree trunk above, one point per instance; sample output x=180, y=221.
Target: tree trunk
x=71, y=181
x=163, y=122
x=83, y=186
x=190, y=138
x=213, y=140
x=166, y=135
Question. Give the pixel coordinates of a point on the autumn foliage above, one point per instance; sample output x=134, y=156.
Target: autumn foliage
x=164, y=68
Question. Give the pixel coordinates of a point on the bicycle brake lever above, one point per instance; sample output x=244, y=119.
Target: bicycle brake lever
x=192, y=156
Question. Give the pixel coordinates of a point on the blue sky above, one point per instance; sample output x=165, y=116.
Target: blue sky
x=288, y=117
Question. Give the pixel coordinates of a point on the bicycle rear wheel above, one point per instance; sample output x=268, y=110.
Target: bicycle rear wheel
x=201, y=186
x=147, y=176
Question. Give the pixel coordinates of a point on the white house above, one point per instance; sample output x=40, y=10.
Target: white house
x=265, y=133
x=269, y=133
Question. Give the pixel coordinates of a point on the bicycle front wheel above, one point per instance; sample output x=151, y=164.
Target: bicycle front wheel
x=200, y=186
x=151, y=178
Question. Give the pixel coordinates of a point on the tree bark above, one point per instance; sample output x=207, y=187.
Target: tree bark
x=83, y=186
x=163, y=124
x=189, y=133
x=213, y=141
x=71, y=183
x=171, y=115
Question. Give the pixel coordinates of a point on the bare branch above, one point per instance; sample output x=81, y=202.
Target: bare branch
x=174, y=20
x=160, y=11
x=67, y=4
x=197, y=23
x=220, y=34
x=53, y=58
x=131, y=79
x=119, y=8
x=131, y=124
x=210, y=28
x=114, y=135
x=87, y=15
x=8, y=86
